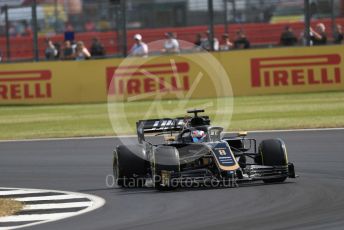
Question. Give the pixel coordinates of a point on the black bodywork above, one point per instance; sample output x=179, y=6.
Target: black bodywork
x=217, y=160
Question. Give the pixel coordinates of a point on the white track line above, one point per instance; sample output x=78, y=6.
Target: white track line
x=57, y=197
x=34, y=217
x=54, y=206
x=93, y=203
x=18, y=192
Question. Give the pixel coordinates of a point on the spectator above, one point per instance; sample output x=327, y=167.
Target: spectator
x=97, y=48
x=288, y=37
x=171, y=44
x=58, y=49
x=139, y=49
x=50, y=51
x=303, y=39
x=12, y=29
x=81, y=52
x=338, y=35
x=241, y=41
x=318, y=36
x=27, y=29
x=20, y=28
x=225, y=43
x=69, y=27
x=104, y=24
x=198, y=42
x=90, y=26
x=205, y=44
x=68, y=51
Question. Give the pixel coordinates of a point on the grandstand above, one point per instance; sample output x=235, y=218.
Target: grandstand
x=260, y=31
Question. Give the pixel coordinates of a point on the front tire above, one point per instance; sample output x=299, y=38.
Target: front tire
x=273, y=153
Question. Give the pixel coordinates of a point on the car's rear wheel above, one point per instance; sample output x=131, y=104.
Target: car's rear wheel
x=165, y=163
x=129, y=166
x=273, y=153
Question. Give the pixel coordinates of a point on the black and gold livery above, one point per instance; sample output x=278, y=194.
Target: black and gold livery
x=213, y=160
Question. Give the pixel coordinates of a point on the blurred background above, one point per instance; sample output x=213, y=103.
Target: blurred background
x=27, y=25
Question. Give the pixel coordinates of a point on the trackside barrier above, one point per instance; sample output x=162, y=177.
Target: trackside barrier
x=251, y=72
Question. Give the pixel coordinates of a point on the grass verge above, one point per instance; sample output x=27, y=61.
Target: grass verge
x=9, y=207
x=313, y=110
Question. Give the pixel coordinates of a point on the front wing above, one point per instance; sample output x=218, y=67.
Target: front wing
x=249, y=174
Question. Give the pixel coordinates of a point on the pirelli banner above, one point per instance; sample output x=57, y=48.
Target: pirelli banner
x=196, y=75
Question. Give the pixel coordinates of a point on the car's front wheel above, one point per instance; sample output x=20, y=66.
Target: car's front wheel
x=273, y=153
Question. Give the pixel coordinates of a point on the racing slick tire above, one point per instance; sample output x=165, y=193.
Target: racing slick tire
x=273, y=153
x=165, y=162
x=129, y=166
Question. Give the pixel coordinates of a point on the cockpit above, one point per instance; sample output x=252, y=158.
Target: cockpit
x=200, y=134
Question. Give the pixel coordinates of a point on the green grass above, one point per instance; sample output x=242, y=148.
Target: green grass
x=249, y=113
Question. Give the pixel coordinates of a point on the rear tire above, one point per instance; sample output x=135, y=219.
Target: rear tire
x=273, y=153
x=165, y=158
x=129, y=166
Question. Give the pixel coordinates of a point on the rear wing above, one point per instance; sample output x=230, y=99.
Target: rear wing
x=162, y=125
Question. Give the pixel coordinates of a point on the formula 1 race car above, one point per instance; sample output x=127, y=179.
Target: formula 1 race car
x=196, y=153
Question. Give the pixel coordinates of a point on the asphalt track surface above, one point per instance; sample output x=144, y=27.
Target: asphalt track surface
x=313, y=201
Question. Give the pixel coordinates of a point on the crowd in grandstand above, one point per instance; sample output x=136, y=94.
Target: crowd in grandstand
x=78, y=51
x=74, y=50
x=318, y=36
x=203, y=42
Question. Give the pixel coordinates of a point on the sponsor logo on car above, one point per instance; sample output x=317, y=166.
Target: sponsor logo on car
x=27, y=84
x=222, y=152
x=148, y=78
x=296, y=70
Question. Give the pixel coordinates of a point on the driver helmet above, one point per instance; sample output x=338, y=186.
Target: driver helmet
x=197, y=135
